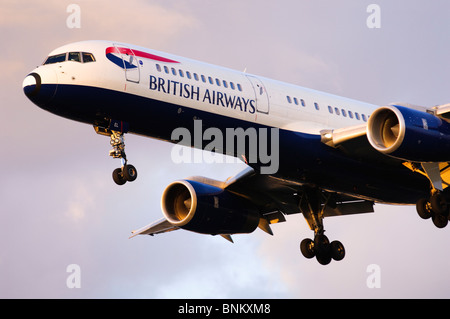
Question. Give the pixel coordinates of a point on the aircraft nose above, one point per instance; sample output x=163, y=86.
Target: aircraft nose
x=32, y=84
x=40, y=87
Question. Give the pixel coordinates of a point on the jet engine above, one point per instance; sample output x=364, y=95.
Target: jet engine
x=207, y=209
x=409, y=134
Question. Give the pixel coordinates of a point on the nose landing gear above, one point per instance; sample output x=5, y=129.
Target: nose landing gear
x=127, y=172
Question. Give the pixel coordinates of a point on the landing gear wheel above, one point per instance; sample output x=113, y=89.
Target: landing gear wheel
x=436, y=208
x=337, y=250
x=322, y=249
x=321, y=244
x=129, y=173
x=440, y=221
x=307, y=248
x=423, y=208
x=324, y=258
x=118, y=177
x=439, y=204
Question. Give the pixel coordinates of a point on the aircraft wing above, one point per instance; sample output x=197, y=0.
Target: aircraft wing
x=158, y=227
x=274, y=197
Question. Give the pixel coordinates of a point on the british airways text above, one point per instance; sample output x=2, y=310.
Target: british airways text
x=192, y=92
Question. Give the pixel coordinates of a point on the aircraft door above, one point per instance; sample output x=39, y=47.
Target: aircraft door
x=130, y=63
x=261, y=96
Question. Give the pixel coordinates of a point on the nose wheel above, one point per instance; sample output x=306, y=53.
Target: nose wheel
x=127, y=172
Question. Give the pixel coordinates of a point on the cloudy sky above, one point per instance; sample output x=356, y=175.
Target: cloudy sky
x=59, y=205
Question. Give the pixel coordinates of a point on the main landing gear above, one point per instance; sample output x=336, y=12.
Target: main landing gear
x=312, y=204
x=127, y=172
x=436, y=206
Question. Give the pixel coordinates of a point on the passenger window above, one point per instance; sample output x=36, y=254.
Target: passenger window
x=88, y=57
x=196, y=76
x=350, y=114
x=181, y=73
x=357, y=115
x=203, y=78
x=295, y=101
x=303, y=102
x=288, y=99
x=239, y=87
x=166, y=69
x=344, y=113
x=232, y=85
x=188, y=74
x=330, y=109
x=218, y=82
x=174, y=72
x=316, y=106
x=158, y=67
x=210, y=80
x=336, y=110
x=225, y=84
x=364, y=117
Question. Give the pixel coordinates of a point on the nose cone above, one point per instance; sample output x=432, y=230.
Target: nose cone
x=32, y=84
x=40, y=86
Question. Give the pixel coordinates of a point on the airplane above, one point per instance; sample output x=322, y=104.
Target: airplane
x=329, y=155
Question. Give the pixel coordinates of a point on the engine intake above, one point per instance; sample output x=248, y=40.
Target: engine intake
x=409, y=134
x=207, y=209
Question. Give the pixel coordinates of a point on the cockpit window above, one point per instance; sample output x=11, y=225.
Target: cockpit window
x=83, y=57
x=88, y=57
x=74, y=56
x=56, y=58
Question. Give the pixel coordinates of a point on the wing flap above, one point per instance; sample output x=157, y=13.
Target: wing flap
x=349, y=208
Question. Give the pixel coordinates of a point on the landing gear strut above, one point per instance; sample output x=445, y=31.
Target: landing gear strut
x=127, y=172
x=312, y=204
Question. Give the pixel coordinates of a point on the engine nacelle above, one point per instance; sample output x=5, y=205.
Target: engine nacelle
x=409, y=134
x=207, y=209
